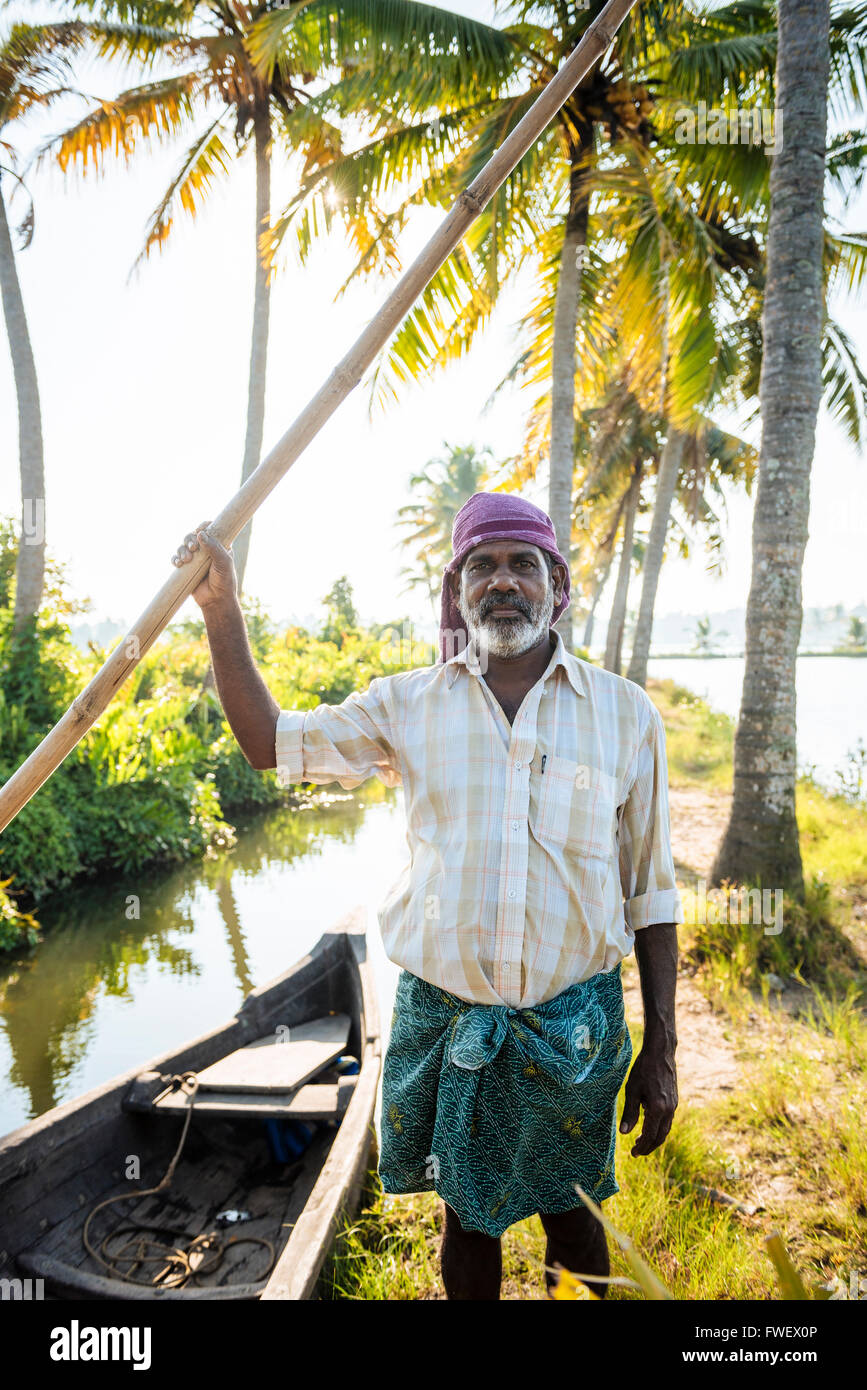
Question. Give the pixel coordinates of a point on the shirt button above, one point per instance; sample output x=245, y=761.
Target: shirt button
x=515, y=825
x=507, y=965
x=518, y=766
x=512, y=893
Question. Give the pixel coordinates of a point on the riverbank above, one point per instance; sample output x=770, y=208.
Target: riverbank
x=131, y=966
x=772, y=1074
x=724, y=655
x=161, y=779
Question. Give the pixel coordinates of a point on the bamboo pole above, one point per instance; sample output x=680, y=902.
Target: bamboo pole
x=87, y=707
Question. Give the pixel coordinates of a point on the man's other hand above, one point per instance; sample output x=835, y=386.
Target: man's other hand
x=651, y=1086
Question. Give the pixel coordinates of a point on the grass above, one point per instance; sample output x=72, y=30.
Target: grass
x=701, y=1251
x=796, y=1129
x=788, y=1145
x=825, y=936
x=699, y=740
x=833, y=839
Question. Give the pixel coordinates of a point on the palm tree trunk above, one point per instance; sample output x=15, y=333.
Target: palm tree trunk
x=261, y=319
x=597, y=594
x=562, y=464
x=614, y=642
x=761, y=841
x=666, y=484
x=30, y=568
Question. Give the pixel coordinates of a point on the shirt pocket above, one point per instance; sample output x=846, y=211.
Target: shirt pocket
x=577, y=808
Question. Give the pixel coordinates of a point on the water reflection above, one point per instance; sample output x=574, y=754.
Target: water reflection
x=232, y=923
x=103, y=992
x=48, y=998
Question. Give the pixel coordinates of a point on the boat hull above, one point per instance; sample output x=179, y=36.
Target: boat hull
x=55, y=1169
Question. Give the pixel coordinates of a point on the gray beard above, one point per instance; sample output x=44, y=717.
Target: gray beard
x=508, y=637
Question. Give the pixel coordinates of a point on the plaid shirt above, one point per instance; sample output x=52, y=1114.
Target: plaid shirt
x=537, y=849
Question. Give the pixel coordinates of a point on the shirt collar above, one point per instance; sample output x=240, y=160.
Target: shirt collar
x=559, y=657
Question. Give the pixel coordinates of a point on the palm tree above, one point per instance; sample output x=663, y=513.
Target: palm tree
x=664, y=55
x=761, y=839
x=705, y=639
x=731, y=201
x=441, y=489
x=665, y=299
x=666, y=486
x=34, y=73
x=543, y=211
x=614, y=642
x=600, y=579
x=709, y=457
x=857, y=635
x=213, y=89
x=30, y=568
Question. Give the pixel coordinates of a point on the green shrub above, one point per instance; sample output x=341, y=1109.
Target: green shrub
x=157, y=778
x=16, y=928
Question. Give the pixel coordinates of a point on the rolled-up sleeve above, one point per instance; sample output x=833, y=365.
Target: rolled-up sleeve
x=647, y=875
x=344, y=743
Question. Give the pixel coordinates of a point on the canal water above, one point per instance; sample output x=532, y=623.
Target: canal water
x=105, y=990
x=831, y=694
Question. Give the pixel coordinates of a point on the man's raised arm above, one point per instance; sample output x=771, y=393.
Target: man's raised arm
x=247, y=702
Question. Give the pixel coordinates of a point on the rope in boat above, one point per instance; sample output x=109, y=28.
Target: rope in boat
x=176, y=1261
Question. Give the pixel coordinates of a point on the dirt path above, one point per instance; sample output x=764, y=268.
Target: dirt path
x=698, y=819
x=706, y=1061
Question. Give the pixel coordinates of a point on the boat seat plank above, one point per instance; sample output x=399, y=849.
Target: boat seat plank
x=272, y=1064
x=312, y=1103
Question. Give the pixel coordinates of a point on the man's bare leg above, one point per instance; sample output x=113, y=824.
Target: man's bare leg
x=471, y=1262
x=576, y=1240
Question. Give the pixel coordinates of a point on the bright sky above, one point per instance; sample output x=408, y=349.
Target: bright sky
x=143, y=390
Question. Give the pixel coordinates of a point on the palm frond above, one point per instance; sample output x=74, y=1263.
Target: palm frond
x=844, y=384
x=36, y=64
x=846, y=161
x=207, y=158
x=464, y=54
x=845, y=261
x=158, y=111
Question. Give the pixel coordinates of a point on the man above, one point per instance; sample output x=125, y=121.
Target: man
x=537, y=811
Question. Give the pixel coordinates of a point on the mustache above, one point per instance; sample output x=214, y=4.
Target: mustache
x=515, y=601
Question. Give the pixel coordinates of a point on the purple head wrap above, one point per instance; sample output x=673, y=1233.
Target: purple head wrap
x=493, y=516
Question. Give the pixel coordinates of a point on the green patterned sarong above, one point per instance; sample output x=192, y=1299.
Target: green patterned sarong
x=501, y=1111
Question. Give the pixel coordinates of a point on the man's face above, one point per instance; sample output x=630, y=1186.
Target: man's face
x=506, y=596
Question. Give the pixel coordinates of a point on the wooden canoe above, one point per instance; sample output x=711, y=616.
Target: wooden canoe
x=55, y=1169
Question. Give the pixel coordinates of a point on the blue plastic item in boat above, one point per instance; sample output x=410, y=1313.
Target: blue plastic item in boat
x=288, y=1138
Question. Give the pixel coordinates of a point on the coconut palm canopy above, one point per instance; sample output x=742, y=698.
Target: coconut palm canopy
x=642, y=245
x=646, y=249
x=703, y=204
